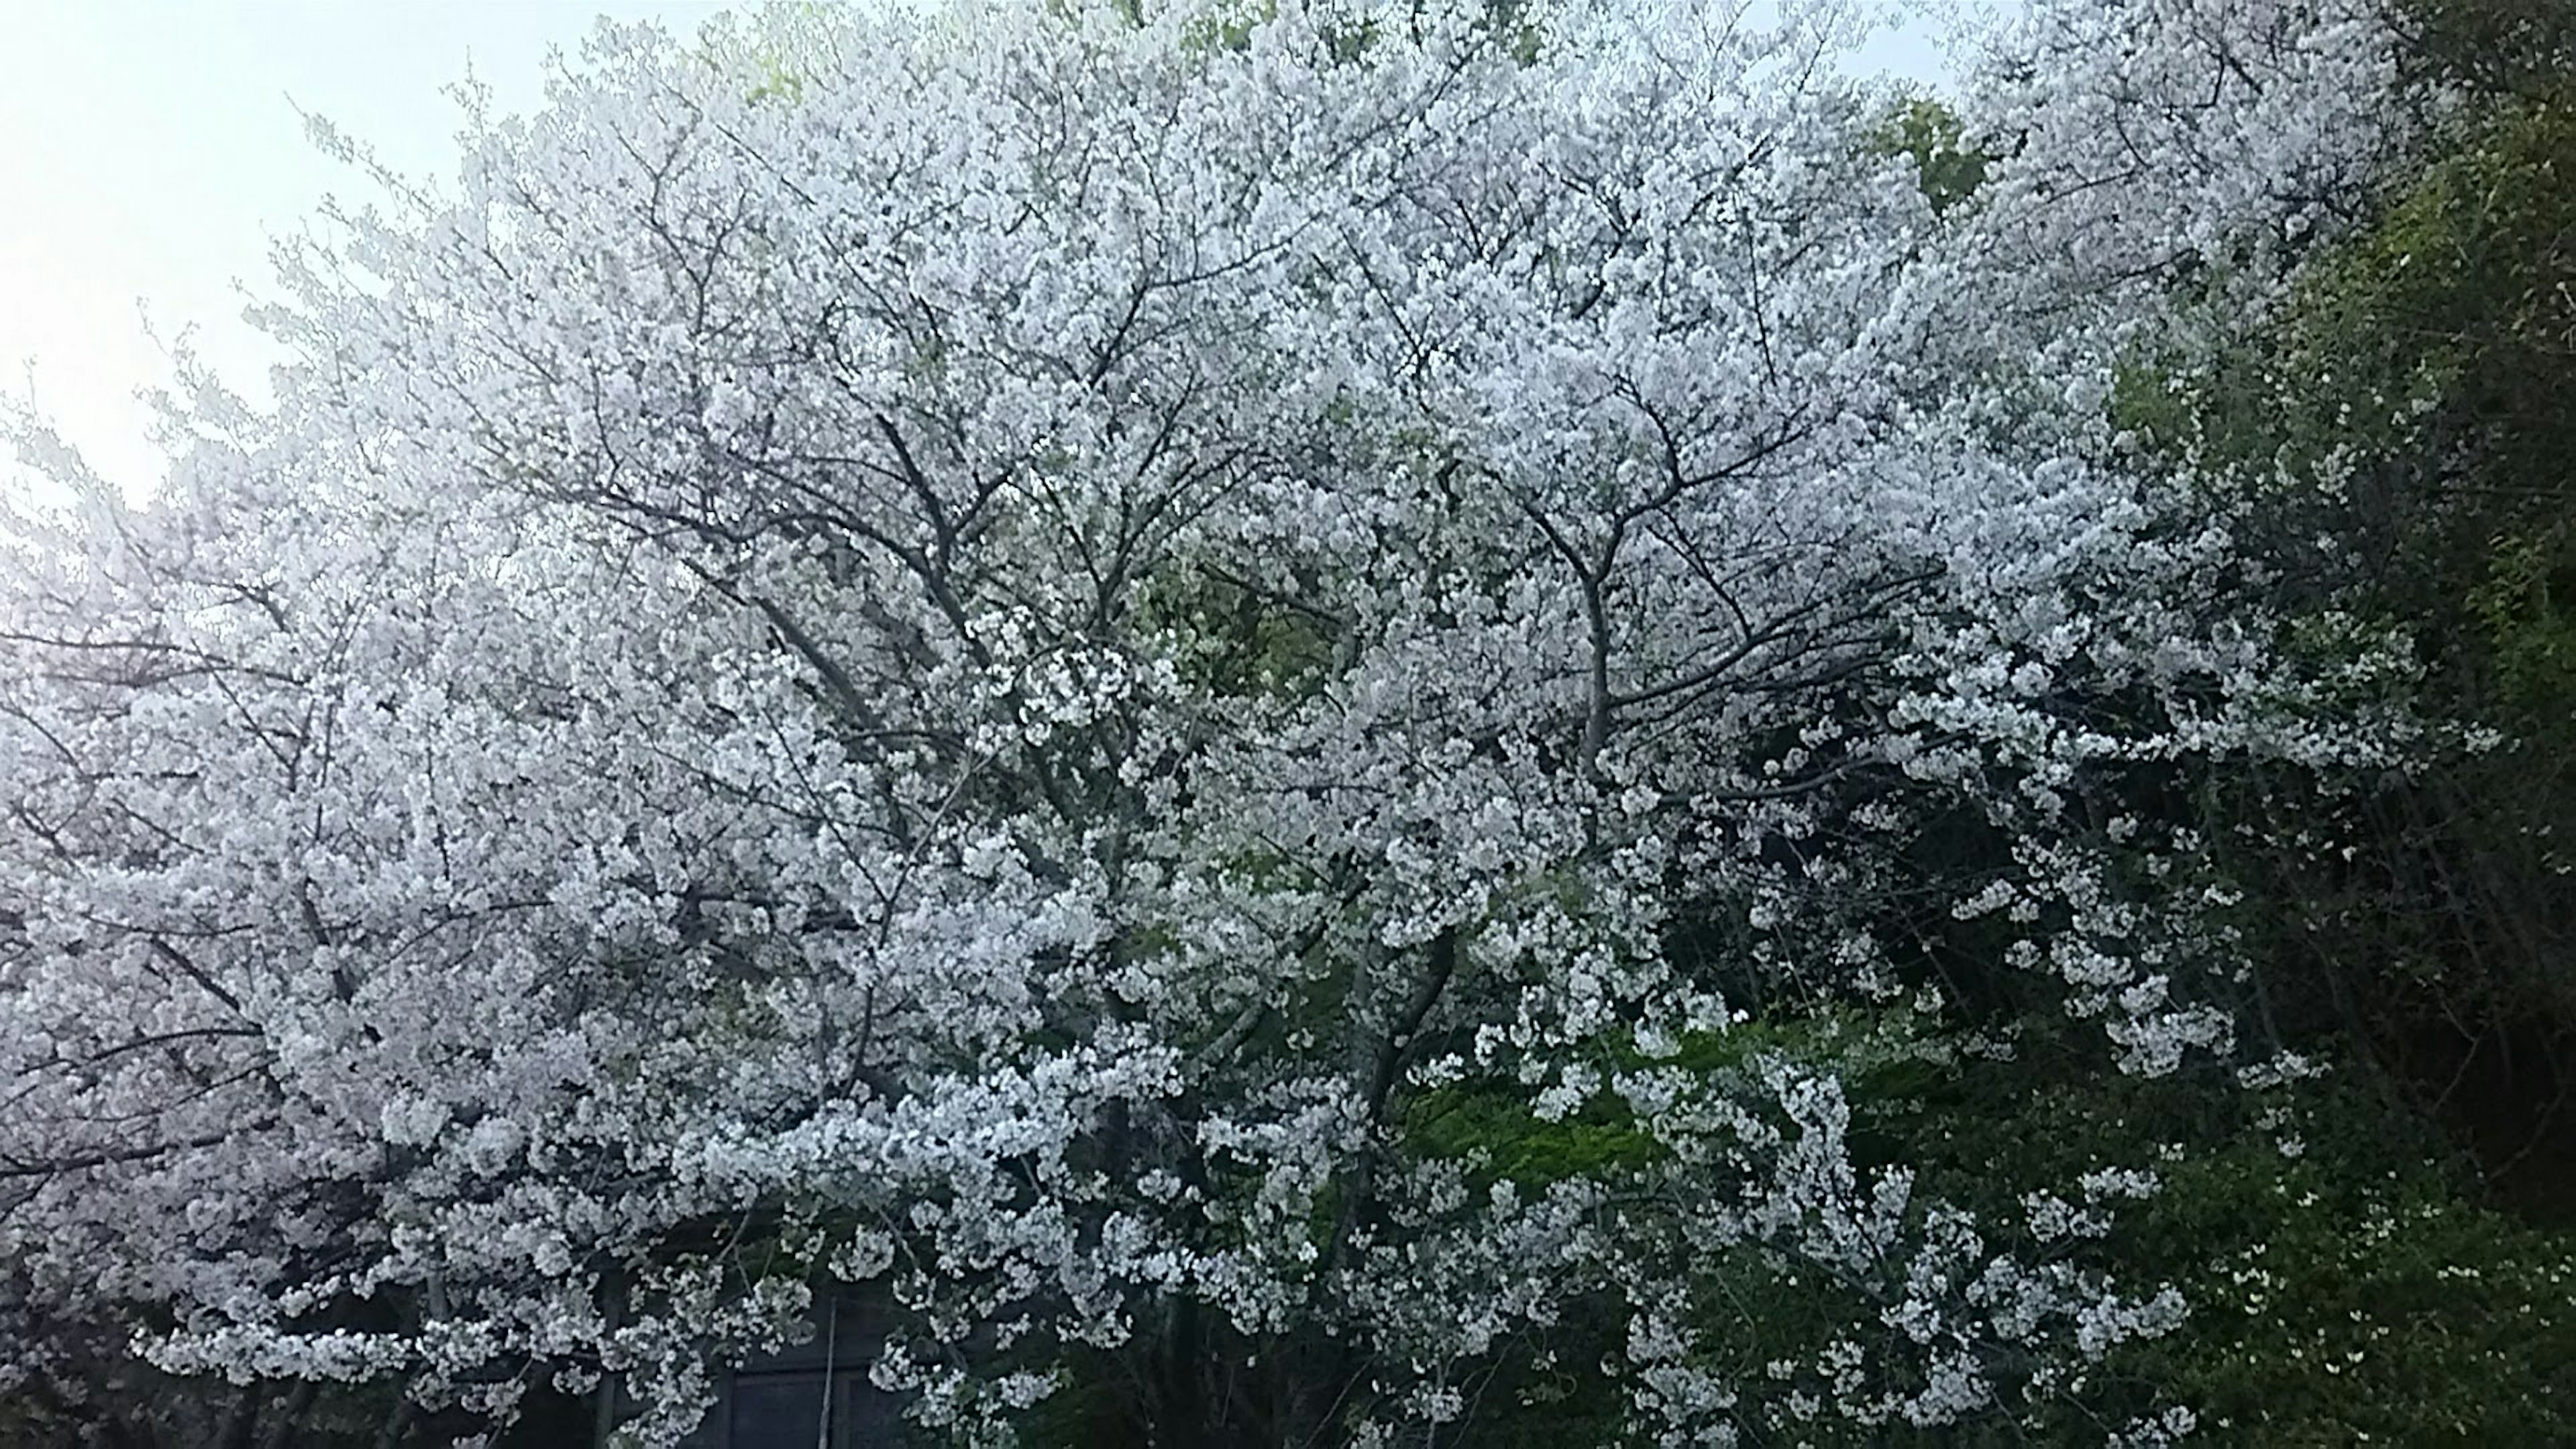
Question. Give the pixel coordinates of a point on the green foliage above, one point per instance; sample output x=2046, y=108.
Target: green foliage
x=1949, y=169
x=2352, y=1293
x=2393, y=445
x=1239, y=639
x=1883, y=1054
x=2529, y=619
x=2392, y=1316
x=1223, y=30
x=1495, y=1129
x=777, y=41
x=2414, y=396
x=2491, y=47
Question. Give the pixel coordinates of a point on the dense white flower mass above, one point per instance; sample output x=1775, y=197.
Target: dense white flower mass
x=989, y=658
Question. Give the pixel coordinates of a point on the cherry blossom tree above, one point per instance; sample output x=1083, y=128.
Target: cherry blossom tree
x=1006, y=671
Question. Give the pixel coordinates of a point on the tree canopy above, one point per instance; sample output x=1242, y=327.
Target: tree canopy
x=1317, y=724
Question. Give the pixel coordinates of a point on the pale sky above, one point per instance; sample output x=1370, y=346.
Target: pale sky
x=149, y=149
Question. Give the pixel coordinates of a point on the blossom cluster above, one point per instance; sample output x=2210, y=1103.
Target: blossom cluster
x=986, y=673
